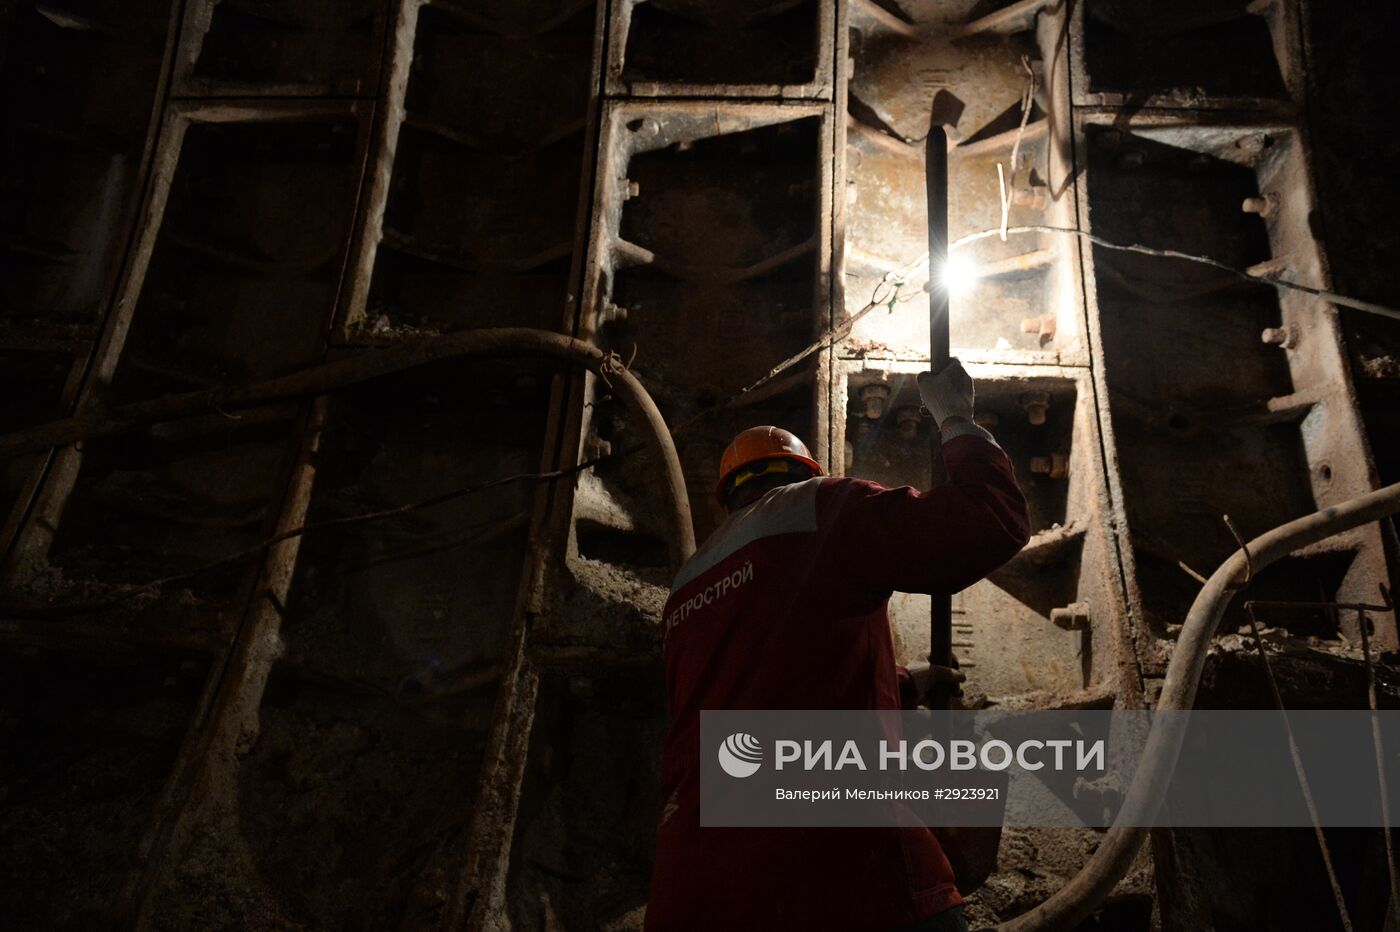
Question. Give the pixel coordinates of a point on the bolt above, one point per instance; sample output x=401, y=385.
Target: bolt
x=646, y=126
x=1279, y=336
x=1262, y=205
x=1056, y=465
x=634, y=189
x=1043, y=326
x=595, y=447
x=908, y=419
x=613, y=313
x=1035, y=404
x=876, y=397
x=1036, y=198
x=1269, y=267
x=1073, y=617
x=1255, y=142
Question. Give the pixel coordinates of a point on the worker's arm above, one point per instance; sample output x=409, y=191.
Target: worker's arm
x=945, y=539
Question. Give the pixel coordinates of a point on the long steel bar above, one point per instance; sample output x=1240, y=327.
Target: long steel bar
x=936, y=183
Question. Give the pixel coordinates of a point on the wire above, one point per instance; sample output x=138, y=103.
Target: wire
x=1027, y=100
x=1332, y=296
x=1369, y=307
x=1296, y=755
x=885, y=294
x=132, y=591
x=1362, y=621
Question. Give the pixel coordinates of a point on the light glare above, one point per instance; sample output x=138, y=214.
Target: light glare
x=959, y=274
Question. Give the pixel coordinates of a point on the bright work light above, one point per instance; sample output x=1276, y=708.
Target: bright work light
x=958, y=275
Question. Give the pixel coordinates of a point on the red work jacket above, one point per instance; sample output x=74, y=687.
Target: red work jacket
x=806, y=627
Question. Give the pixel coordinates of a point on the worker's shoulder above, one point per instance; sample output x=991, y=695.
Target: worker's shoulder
x=836, y=491
x=788, y=509
x=832, y=485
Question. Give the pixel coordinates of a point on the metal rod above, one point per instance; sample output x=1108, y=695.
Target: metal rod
x=1362, y=621
x=936, y=182
x=1078, y=898
x=1298, y=771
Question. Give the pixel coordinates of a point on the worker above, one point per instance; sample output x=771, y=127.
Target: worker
x=807, y=627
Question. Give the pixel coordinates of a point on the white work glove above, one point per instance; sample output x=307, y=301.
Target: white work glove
x=947, y=393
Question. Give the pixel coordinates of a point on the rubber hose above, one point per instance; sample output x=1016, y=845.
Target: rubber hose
x=500, y=341
x=1073, y=903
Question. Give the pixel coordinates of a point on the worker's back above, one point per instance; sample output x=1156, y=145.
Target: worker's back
x=784, y=607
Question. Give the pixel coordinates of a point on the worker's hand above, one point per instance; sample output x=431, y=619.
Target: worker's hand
x=948, y=393
x=928, y=678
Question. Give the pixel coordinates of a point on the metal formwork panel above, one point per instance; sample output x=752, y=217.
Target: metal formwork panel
x=473, y=195
x=1020, y=327
x=746, y=49
x=1025, y=306
x=709, y=254
x=242, y=48
x=711, y=228
x=171, y=330
x=1248, y=409
x=262, y=269
x=1228, y=55
x=1049, y=627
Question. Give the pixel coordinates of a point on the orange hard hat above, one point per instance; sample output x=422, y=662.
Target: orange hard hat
x=762, y=443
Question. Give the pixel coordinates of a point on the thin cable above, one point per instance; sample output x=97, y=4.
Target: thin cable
x=885, y=294
x=132, y=591
x=1248, y=559
x=1027, y=100
x=1362, y=620
x=1293, y=751
x=1303, y=785
x=1369, y=307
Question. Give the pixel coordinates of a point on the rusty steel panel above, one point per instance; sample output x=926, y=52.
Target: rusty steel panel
x=670, y=175
x=729, y=49
x=1250, y=409
x=1228, y=55
x=1014, y=633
